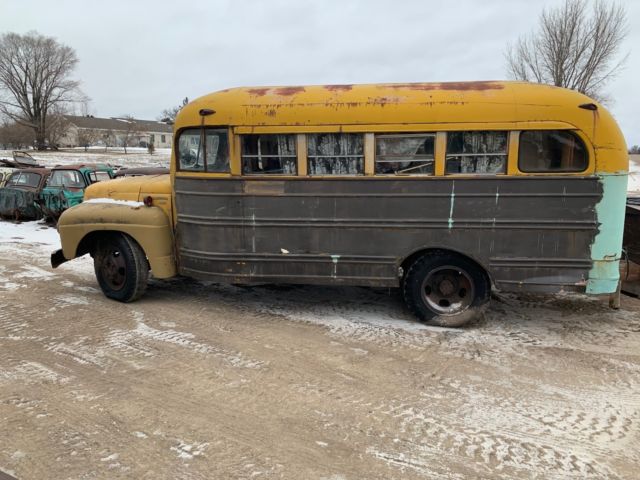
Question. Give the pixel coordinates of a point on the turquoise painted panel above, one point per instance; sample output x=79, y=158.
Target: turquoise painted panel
x=607, y=246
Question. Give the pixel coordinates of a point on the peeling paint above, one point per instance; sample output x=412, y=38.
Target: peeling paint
x=335, y=88
x=452, y=201
x=449, y=86
x=288, y=90
x=335, y=259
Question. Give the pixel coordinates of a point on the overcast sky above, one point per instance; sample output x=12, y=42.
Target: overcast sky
x=140, y=57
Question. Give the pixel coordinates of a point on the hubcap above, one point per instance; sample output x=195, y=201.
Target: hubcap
x=448, y=290
x=114, y=270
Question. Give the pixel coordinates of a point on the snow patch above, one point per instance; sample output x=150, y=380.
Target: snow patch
x=128, y=203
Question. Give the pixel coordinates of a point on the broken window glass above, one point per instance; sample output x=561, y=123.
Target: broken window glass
x=269, y=154
x=406, y=154
x=217, y=151
x=196, y=144
x=190, y=150
x=551, y=151
x=335, y=154
x=476, y=152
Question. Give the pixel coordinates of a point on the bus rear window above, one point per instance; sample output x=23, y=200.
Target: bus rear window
x=405, y=154
x=477, y=152
x=551, y=151
x=269, y=154
x=335, y=154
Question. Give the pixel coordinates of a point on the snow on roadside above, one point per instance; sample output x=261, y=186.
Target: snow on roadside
x=37, y=241
x=35, y=233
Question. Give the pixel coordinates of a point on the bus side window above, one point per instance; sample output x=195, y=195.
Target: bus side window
x=269, y=154
x=335, y=153
x=476, y=152
x=405, y=154
x=551, y=151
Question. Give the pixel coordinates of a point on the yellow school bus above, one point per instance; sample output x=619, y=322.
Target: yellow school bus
x=444, y=190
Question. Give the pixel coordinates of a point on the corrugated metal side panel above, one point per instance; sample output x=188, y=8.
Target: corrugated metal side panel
x=531, y=233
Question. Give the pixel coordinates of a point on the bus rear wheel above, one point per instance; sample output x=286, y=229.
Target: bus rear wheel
x=121, y=268
x=445, y=289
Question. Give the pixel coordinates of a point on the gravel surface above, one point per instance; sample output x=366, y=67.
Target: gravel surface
x=202, y=381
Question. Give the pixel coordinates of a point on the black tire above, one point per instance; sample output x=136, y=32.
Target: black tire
x=445, y=289
x=121, y=267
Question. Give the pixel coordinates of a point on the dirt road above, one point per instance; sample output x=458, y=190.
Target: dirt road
x=205, y=381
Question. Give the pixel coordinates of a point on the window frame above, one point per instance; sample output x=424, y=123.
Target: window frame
x=575, y=133
x=295, y=157
x=203, y=133
x=309, y=158
x=383, y=135
x=505, y=155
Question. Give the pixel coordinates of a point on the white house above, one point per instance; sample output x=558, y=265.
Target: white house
x=89, y=130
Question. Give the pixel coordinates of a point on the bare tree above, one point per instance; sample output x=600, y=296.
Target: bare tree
x=15, y=136
x=572, y=48
x=57, y=127
x=88, y=136
x=109, y=138
x=34, y=77
x=130, y=134
x=169, y=115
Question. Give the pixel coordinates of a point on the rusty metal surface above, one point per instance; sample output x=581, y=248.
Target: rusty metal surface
x=19, y=201
x=529, y=233
x=631, y=239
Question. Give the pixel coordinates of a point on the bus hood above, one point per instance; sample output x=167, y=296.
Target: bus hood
x=130, y=188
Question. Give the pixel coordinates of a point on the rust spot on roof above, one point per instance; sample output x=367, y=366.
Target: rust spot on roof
x=288, y=90
x=485, y=85
x=338, y=88
x=258, y=91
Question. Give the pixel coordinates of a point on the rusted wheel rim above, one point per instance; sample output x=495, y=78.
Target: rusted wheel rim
x=114, y=270
x=448, y=290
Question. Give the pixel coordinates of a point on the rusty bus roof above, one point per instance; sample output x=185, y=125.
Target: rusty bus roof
x=401, y=107
x=468, y=102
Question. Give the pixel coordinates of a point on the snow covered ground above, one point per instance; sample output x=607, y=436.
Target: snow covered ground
x=197, y=380
x=136, y=157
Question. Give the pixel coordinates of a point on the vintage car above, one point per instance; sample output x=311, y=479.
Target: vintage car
x=18, y=198
x=66, y=185
x=5, y=173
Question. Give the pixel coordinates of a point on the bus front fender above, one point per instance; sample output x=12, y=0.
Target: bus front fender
x=82, y=226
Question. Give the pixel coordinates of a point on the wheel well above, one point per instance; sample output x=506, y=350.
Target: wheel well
x=406, y=263
x=89, y=242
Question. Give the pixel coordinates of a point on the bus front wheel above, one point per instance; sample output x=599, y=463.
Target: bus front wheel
x=121, y=267
x=445, y=289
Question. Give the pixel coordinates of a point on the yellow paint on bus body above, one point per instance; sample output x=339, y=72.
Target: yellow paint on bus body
x=413, y=107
